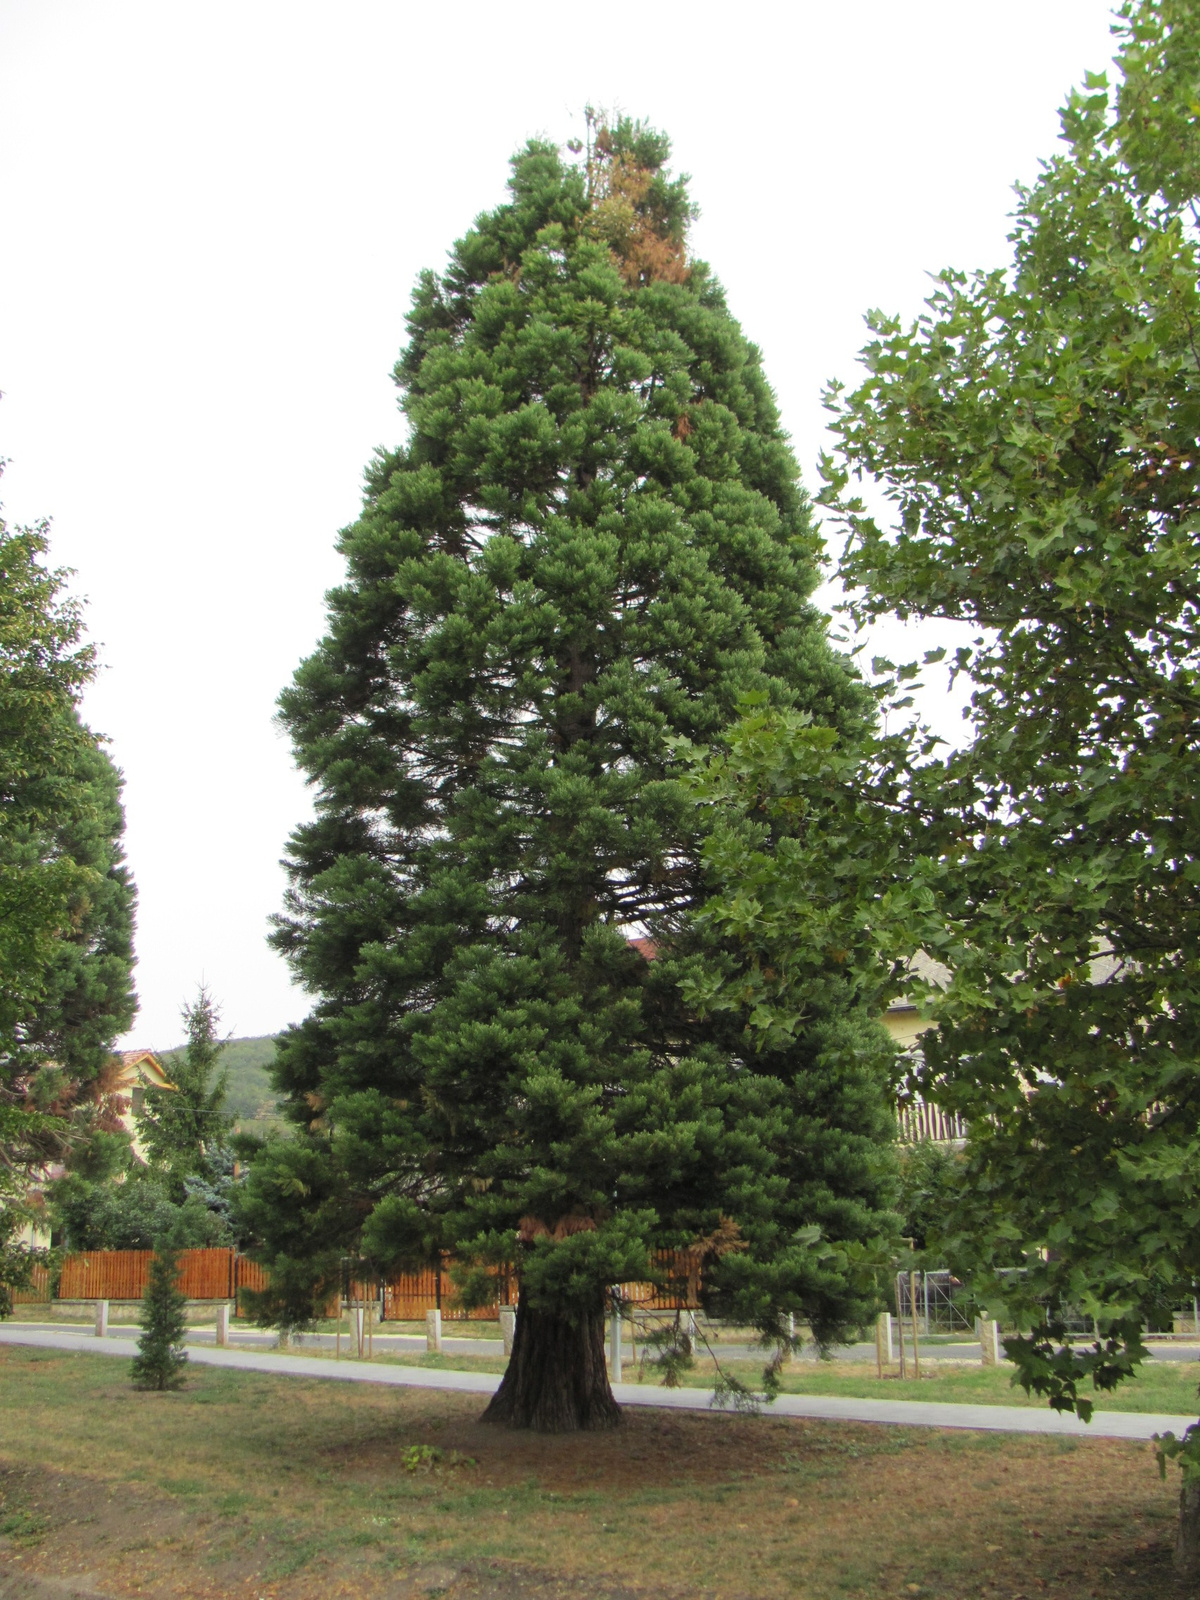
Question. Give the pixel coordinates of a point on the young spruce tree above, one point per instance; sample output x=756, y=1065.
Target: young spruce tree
x=186, y=1128
x=592, y=544
x=161, y=1357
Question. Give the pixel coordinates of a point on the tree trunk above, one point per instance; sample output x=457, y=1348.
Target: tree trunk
x=1187, y=1539
x=556, y=1380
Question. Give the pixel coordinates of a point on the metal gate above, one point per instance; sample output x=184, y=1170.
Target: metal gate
x=940, y=1302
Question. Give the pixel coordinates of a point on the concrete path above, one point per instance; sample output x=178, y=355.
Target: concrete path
x=456, y=1344
x=385, y=1343
x=257, y=1339
x=242, y=1337
x=910, y=1413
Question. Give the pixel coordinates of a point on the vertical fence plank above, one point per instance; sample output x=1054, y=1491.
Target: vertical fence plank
x=38, y=1292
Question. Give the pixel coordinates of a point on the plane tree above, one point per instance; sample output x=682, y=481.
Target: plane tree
x=1036, y=433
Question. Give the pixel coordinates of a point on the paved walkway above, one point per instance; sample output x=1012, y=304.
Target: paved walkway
x=910, y=1413
x=388, y=1343
x=385, y=1343
x=243, y=1338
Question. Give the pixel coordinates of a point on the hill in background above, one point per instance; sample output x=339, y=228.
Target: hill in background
x=251, y=1097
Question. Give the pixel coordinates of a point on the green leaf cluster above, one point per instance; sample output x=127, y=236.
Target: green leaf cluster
x=65, y=896
x=66, y=900
x=1036, y=433
x=133, y=1214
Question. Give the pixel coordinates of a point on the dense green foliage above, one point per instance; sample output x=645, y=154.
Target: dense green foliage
x=930, y=1187
x=66, y=901
x=44, y=668
x=110, y=1200
x=593, y=545
x=131, y=1215
x=1036, y=431
x=87, y=998
x=161, y=1357
x=802, y=858
x=183, y=1127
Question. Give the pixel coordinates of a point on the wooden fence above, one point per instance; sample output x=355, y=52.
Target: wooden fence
x=248, y=1274
x=680, y=1289
x=404, y=1297
x=409, y=1295
x=123, y=1274
x=38, y=1292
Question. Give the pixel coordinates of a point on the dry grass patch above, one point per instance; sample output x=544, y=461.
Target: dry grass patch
x=244, y=1485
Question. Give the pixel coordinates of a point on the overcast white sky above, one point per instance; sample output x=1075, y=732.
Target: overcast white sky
x=212, y=218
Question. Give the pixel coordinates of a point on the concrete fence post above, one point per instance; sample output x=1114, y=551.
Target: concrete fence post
x=101, y=1319
x=508, y=1327
x=223, y=1325
x=884, y=1349
x=614, y=1344
x=433, y=1331
x=988, y=1333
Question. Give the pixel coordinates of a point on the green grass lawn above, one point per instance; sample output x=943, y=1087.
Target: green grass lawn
x=1164, y=1387
x=246, y=1486
x=1161, y=1386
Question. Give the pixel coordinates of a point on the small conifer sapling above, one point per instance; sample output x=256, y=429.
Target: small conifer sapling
x=161, y=1357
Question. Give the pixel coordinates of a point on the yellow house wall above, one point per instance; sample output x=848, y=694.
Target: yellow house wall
x=905, y=1024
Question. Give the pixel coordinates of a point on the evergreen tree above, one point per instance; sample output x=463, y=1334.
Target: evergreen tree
x=161, y=1357
x=185, y=1129
x=592, y=546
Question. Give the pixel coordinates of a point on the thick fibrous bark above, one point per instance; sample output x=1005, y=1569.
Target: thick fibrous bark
x=1187, y=1539
x=556, y=1380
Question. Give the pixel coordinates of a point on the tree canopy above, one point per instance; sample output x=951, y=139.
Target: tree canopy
x=66, y=900
x=1036, y=433
x=592, y=546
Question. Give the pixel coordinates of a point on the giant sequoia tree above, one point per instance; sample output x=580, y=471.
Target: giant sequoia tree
x=592, y=544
